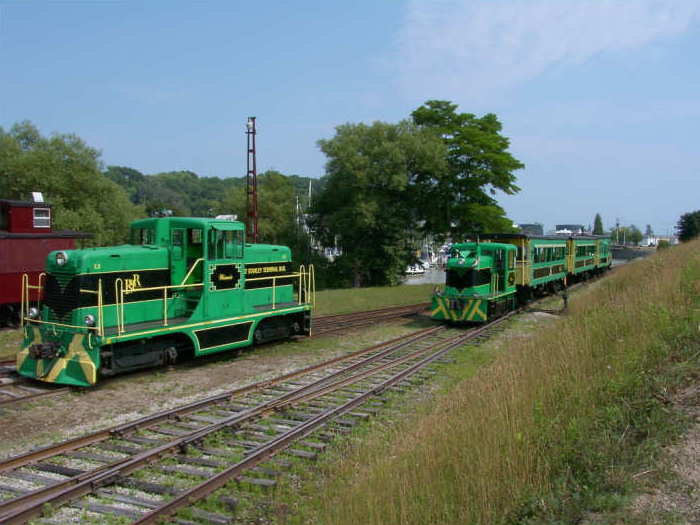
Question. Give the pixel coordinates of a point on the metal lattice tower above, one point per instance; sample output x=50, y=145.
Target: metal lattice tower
x=251, y=203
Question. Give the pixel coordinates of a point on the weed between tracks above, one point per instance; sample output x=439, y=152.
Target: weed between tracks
x=558, y=427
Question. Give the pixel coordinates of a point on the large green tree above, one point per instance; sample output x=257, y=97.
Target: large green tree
x=368, y=204
x=69, y=174
x=460, y=199
x=689, y=226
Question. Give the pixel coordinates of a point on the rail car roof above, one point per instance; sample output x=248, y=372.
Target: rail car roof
x=538, y=237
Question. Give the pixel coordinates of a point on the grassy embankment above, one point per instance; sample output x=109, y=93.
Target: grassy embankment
x=557, y=425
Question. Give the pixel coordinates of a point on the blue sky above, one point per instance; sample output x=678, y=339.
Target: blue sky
x=601, y=100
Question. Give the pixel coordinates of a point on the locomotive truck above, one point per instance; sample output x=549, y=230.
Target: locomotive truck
x=182, y=286
x=493, y=273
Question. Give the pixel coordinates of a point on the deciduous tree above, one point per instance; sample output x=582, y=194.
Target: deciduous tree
x=367, y=206
x=69, y=174
x=689, y=226
x=460, y=199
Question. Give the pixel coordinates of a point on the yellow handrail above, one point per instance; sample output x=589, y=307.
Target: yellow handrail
x=307, y=295
x=307, y=284
x=24, y=304
x=119, y=304
x=190, y=272
x=100, y=313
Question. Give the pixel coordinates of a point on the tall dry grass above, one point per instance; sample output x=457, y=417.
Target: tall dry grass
x=549, y=406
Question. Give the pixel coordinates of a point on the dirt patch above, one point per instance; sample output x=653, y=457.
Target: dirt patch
x=678, y=501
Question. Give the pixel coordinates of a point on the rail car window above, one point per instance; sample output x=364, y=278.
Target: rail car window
x=141, y=236
x=582, y=251
x=42, y=217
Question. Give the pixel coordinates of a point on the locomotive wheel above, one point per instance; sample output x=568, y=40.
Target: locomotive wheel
x=169, y=355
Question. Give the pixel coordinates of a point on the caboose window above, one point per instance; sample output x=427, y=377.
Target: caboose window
x=42, y=217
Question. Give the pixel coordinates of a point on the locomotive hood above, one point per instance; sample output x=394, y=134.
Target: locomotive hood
x=110, y=259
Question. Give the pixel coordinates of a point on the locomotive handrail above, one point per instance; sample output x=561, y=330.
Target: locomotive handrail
x=307, y=283
x=119, y=304
x=100, y=320
x=191, y=270
x=120, y=293
x=100, y=317
x=306, y=296
x=25, y=295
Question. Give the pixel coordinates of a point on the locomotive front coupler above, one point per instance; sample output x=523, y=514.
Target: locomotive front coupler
x=44, y=350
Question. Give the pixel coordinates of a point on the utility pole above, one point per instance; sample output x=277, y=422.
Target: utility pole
x=251, y=202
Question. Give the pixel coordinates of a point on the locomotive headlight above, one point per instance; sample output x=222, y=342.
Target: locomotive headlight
x=89, y=320
x=33, y=313
x=61, y=258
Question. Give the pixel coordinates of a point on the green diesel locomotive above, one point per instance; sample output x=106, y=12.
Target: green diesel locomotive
x=492, y=274
x=183, y=286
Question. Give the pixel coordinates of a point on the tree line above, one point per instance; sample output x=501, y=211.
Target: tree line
x=436, y=173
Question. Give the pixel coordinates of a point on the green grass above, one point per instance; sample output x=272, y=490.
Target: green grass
x=331, y=302
x=556, y=426
x=10, y=342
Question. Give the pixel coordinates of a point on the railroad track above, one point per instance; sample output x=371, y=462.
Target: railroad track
x=330, y=324
x=15, y=389
x=149, y=469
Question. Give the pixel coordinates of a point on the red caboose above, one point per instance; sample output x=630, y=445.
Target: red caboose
x=26, y=238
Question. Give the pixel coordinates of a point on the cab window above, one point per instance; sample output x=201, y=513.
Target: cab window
x=225, y=244
x=142, y=236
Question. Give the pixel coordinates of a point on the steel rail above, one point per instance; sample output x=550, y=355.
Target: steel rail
x=281, y=442
x=389, y=310
x=32, y=394
x=125, y=429
x=23, y=508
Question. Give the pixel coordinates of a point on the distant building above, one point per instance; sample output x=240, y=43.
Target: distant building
x=535, y=228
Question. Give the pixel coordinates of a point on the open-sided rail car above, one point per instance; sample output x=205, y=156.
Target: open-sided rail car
x=542, y=264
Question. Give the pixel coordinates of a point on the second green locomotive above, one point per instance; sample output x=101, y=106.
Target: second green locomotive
x=183, y=285
x=492, y=274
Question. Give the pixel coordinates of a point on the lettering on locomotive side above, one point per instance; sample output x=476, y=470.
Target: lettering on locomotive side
x=133, y=284
x=267, y=275
x=252, y=271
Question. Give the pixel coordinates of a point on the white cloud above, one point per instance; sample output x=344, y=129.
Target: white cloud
x=476, y=49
